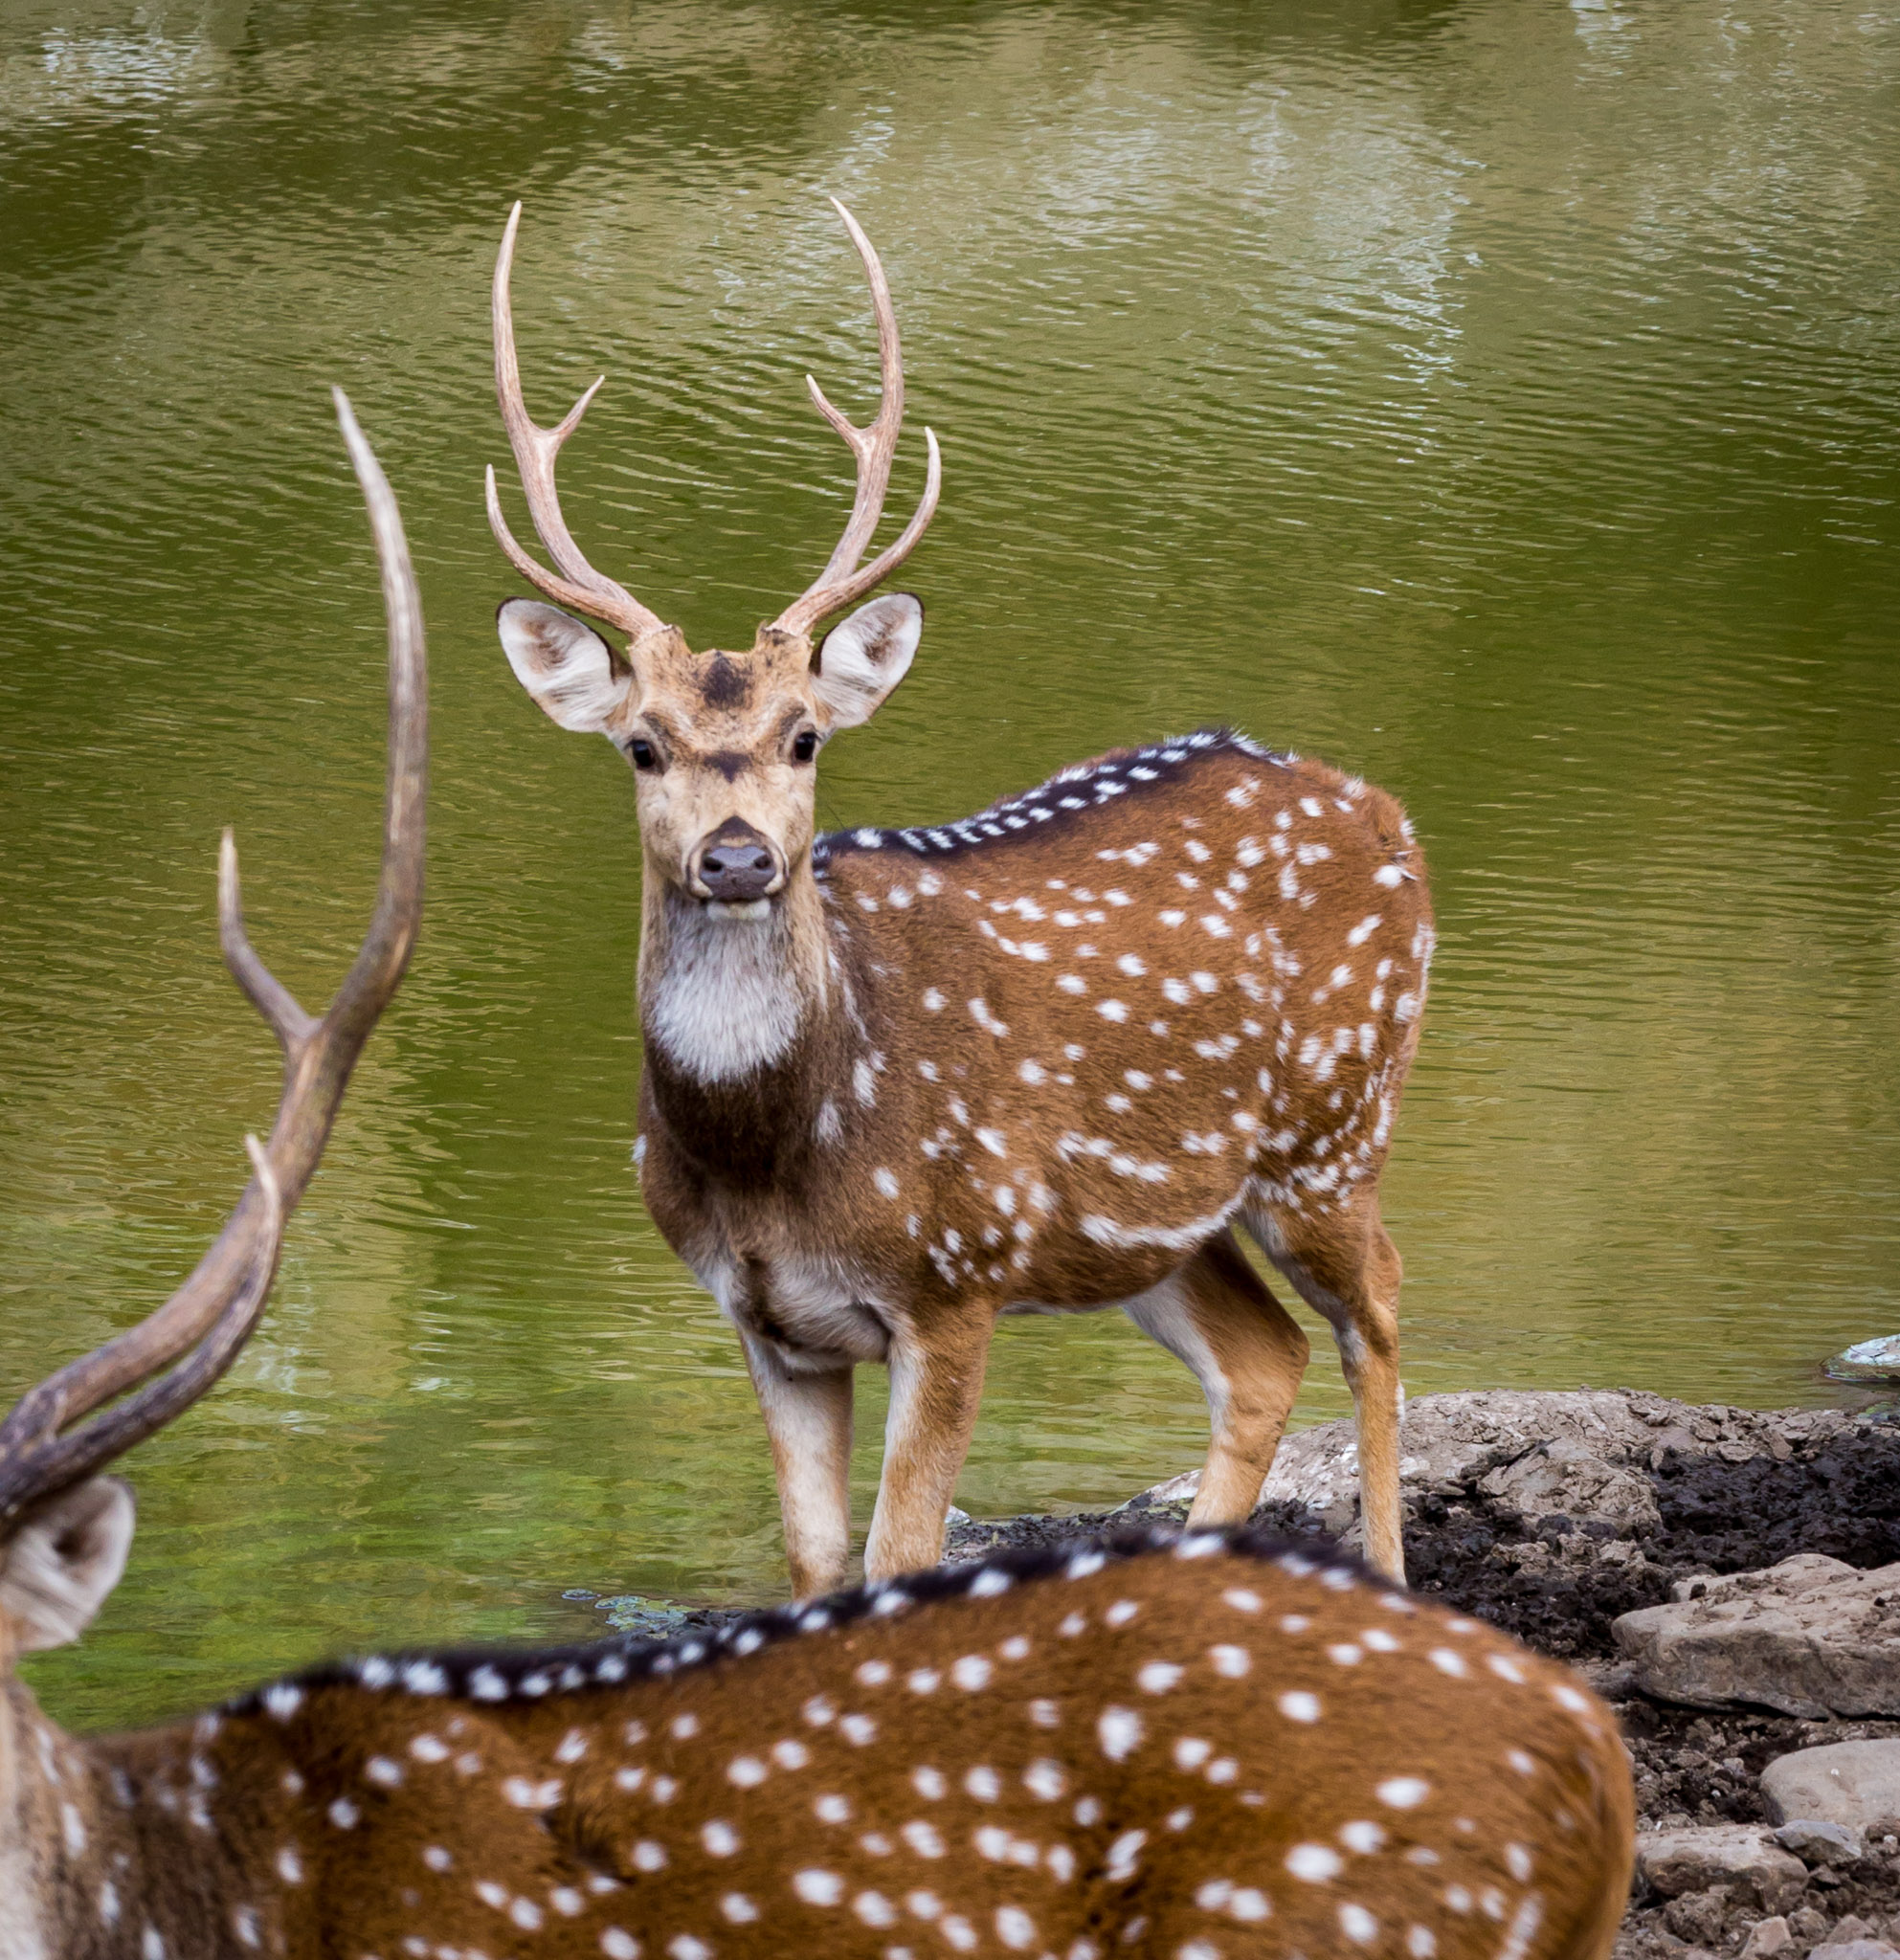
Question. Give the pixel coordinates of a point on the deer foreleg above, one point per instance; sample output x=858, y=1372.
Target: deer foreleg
x=807, y=1418
x=936, y=1383
x=1248, y=1355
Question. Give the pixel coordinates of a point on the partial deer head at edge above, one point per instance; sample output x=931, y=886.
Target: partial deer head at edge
x=66, y=1531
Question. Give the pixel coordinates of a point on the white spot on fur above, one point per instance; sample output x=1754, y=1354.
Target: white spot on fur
x=1119, y=1731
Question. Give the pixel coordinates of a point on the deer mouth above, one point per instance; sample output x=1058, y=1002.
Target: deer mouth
x=736, y=909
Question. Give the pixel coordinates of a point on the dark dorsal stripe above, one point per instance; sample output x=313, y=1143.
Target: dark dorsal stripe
x=1064, y=796
x=495, y=1675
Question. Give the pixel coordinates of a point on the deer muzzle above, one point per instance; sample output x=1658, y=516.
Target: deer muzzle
x=736, y=871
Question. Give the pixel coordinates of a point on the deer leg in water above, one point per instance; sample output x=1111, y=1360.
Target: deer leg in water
x=936, y=1382
x=1347, y=1269
x=1217, y=1315
x=808, y=1419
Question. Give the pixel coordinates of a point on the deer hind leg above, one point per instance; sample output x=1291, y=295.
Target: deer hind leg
x=936, y=1383
x=808, y=1419
x=1248, y=1354
x=1346, y=1268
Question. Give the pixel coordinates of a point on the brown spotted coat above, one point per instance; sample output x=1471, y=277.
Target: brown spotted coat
x=1222, y=1751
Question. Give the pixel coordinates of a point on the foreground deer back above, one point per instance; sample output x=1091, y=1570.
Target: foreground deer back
x=1045, y=1058
x=1206, y=1751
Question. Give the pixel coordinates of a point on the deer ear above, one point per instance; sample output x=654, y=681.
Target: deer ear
x=572, y=673
x=866, y=656
x=60, y=1567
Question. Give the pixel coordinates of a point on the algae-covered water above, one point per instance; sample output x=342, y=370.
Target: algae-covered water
x=1500, y=400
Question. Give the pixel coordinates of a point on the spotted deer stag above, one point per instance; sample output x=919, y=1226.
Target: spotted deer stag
x=1042, y=1058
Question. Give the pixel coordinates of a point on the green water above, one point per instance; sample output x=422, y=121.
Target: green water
x=1499, y=399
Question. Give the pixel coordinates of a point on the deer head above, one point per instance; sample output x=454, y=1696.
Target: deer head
x=723, y=743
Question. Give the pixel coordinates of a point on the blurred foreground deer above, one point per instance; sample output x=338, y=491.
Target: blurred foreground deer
x=1045, y=1058
x=1197, y=1750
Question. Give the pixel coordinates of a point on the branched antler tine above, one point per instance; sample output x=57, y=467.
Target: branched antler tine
x=60, y=1461
x=852, y=434
x=580, y=597
x=535, y=450
x=318, y=1055
x=384, y=956
x=572, y=420
x=802, y=614
x=264, y=990
x=874, y=447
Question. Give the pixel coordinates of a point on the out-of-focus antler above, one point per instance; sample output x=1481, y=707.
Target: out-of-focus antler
x=841, y=581
x=536, y=449
x=47, y=1443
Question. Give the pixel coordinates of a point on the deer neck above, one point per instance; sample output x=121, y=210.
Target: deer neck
x=725, y=1000
x=116, y=1849
x=63, y=1863
x=22, y=1928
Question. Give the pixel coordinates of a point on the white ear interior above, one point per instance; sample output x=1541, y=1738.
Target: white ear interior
x=866, y=656
x=564, y=663
x=58, y=1568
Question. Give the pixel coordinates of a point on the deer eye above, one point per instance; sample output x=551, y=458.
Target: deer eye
x=806, y=747
x=643, y=752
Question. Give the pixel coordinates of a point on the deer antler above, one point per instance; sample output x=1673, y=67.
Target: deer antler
x=536, y=449
x=211, y=1316
x=841, y=581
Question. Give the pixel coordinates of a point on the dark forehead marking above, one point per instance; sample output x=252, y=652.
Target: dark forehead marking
x=724, y=683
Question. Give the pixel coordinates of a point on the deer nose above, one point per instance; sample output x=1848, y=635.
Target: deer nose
x=737, y=864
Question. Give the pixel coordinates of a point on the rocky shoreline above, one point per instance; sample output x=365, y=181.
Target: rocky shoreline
x=1730, y=1581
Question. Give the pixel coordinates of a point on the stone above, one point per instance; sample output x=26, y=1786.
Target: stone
x=1869, y=1361
x=1815, y=1840
x=650, y=1619
x=1568, y=1478
x=1855, y=1950
x=1742, y=1857
x=1178, y=1494
x=1449, y=1442
x=1809, y=1637
x=1808, y=1924
x=1856, y=1784
x=1586, y=1454
x=1699, y=1917
x=1766, y=1938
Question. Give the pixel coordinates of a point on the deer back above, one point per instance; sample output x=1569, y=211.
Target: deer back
x=1213, y=1748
